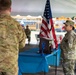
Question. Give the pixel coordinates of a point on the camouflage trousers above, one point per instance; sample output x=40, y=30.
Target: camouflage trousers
x=28, y=38
x=68, y=66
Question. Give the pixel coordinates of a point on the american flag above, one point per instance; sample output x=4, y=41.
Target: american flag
x=47, y=28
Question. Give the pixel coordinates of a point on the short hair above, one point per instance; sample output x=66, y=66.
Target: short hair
x=73, y=28
x=27, y=26
x=5, y=4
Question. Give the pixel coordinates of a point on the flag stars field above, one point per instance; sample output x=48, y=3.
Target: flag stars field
x=47, y=29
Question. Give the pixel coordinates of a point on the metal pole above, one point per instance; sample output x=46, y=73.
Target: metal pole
x=56, y=65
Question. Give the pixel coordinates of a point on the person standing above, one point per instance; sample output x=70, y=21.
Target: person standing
x=68, y=49
x=12, y=39
x=28, y=33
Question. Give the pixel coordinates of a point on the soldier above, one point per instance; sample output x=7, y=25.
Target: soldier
x=68, y=49
x=12, y=38
x=28, y=33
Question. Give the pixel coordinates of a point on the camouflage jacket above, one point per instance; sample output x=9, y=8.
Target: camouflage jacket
x=68, y=46
x=12, y=38
x=27, y=32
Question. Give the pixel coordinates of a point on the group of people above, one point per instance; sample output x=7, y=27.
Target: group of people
x=12, y=39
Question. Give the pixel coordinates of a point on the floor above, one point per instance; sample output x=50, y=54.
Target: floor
x=51, y=72
x=51, y=68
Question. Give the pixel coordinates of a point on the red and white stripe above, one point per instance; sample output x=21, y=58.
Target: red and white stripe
x=47, y=31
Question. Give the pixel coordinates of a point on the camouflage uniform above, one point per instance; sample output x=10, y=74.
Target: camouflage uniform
x=28, y=32
x=68, y=53
x=12, y=38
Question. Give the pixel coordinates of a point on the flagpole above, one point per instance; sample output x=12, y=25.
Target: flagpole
x=47, y=31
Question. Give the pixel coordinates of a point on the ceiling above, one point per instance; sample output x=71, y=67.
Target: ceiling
x=36, y=7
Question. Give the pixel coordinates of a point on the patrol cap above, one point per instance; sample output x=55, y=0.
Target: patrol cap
x=69, y=22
